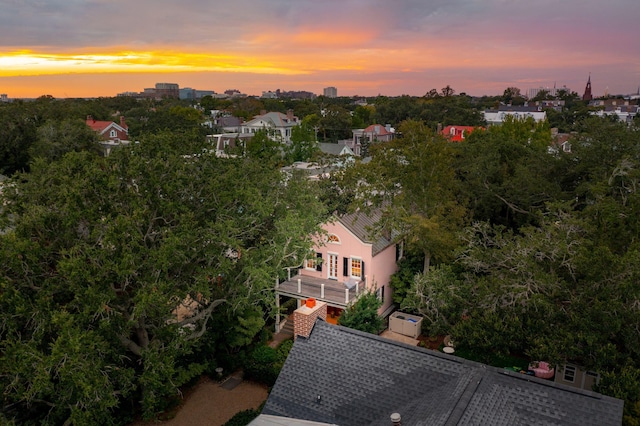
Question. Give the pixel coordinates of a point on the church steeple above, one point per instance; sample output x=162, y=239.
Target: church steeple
x=587, y=91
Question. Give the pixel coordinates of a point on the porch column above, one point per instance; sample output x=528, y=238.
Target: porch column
x=346, y=295
x=322, y=291
x=299, y=286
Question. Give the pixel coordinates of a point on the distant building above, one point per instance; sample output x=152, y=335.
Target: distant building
x=552, y=91
x=519, y=112
x=330, y=92
x=4, y=97
x=458, y=133
x=131, y=94
x=279, y=125
x=187, y=93
x=587, y=91
x=294, y=94
x=167, y=90
x=233, y=93
x=112, y=134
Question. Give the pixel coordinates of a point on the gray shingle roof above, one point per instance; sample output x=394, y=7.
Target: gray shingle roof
x=361, y=379
x=361, y=225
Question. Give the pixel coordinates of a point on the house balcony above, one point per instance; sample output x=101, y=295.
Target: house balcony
x=337, y=293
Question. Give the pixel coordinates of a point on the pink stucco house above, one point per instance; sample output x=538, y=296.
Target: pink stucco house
x=343, y=265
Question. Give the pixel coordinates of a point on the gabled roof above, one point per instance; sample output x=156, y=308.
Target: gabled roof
x=102, y=126
x=278, y=119
x=335, y=149
x=375, y=129
x=347, y=377
x=361, y=225
x=457, y=133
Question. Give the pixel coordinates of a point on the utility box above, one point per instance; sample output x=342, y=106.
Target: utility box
x=405, y=324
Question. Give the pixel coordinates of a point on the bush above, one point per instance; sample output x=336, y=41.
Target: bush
x=260, y=365
x=363, y=314
x=264, y=362
x=244, y=417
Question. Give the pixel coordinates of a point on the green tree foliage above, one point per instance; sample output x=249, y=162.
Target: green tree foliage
x=264, y=362
x=436, y=296
x=408, y=267
x=363, y=314
x=303, y=144
x=433, y=109
x=363, y=116
x=97, y=255
x=54, y=139
x=165, y=116
x=512, y=96
x=507, y=173
x=18, y=131
x=335, y=123
x=263, y=146
x=413, y=180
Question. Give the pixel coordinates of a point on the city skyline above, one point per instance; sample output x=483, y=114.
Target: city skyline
x=89, y=48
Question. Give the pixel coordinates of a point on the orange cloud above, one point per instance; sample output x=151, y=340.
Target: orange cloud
x=28, y=63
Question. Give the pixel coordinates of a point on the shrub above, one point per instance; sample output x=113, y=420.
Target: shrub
x=244, y=417
x=260, y=365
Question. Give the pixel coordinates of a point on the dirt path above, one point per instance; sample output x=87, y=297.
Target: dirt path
x=210, y=404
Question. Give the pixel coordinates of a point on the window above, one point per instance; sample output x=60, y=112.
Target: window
x=380, y=294
x=569, y=373
x=113, y=134
x=310, y=264
x=314, y=263
x=333, y=239
x=356, y=268
x=353, y=267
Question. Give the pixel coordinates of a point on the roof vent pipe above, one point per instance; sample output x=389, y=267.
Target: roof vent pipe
x=395, y=419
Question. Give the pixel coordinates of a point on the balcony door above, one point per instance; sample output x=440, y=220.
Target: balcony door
x=333, y=267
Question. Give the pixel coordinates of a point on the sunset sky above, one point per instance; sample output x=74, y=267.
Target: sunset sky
x=87, y=48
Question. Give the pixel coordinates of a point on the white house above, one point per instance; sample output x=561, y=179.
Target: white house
x=498, y=116
x=279, y=125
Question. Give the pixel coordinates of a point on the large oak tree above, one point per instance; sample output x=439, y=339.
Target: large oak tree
x=98, y=253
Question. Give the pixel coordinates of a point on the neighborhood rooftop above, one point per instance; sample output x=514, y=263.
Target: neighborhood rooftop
x=346, y=377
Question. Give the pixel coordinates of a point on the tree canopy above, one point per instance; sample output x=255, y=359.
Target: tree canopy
x=112, y=268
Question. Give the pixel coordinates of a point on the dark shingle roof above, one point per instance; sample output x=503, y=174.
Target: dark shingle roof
x=362, y=379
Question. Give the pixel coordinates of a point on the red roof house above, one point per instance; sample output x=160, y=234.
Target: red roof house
x=458, y=133
x=109, y=130
x=111, y=133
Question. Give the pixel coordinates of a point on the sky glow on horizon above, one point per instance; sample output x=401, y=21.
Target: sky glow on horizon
x=86, y=48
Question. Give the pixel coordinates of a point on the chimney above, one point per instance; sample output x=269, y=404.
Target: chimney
x=305, y=317
x=395, y=419
x=123, y=124
x=439, y=128
x=263, y=111
x=290, y=115
x=90, y=118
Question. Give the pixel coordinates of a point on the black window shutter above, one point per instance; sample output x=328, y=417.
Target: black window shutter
x=345, y=266
x=362, y=272
x=319, y=262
